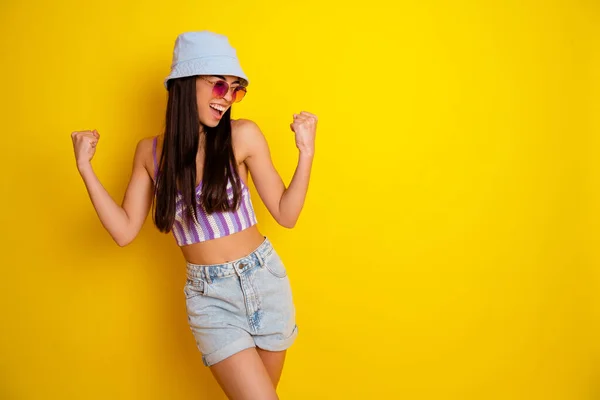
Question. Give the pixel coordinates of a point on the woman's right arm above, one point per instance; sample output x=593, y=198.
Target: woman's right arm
x=124, y=222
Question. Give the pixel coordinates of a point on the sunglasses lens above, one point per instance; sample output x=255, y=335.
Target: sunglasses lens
x=238, y=94
x=220, y=89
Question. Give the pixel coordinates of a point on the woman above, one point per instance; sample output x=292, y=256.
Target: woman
x=194, y=177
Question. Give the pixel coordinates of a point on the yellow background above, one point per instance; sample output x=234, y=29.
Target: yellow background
x=449, y=245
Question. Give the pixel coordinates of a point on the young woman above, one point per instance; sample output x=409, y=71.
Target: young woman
x=194, y=178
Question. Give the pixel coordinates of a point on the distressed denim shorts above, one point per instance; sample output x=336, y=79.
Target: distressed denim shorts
x=240, y=304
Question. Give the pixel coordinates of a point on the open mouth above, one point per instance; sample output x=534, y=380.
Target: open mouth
x=217, y=110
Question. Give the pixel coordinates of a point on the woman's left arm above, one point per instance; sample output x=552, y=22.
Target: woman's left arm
x=284, y=203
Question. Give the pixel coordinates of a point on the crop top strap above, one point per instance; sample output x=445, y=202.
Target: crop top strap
x=154, y=156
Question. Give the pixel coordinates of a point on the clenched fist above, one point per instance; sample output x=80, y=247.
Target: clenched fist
x=84, y=145
x=305, y=128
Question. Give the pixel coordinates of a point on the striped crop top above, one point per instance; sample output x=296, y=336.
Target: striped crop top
x=210, y=226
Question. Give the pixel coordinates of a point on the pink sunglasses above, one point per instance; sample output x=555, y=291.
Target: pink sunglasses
x=221, y=88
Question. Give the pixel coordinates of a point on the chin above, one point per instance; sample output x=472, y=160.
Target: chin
x=210, y=119
x=210, y=124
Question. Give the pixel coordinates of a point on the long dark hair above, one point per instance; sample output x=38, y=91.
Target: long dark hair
x=177, y=162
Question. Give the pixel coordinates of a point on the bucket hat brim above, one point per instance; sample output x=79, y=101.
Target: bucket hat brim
x=211, y=65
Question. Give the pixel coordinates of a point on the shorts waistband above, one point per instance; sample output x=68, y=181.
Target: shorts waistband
x=210, y=272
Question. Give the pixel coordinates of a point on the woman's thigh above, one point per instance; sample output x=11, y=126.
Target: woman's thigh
x=273, y=361
x=243, y=376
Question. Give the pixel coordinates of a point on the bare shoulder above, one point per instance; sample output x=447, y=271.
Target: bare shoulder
x=144, y=148
x=244, y=128
x=144, y=153
x=246, y=137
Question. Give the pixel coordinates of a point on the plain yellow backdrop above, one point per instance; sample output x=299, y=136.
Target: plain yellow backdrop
x=449, y=245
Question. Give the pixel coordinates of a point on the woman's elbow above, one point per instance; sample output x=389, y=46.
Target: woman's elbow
x=287, y=223
x=122, y=242
x=123, y=239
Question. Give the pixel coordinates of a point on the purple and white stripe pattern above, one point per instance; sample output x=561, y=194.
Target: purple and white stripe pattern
x=210, y=226
x=216, y=225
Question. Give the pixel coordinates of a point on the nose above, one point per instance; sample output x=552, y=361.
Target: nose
x=229, y=95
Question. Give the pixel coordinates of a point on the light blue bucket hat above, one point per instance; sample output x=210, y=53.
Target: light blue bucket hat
x=204, y=53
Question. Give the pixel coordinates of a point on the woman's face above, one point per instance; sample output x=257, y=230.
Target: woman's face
x=211, y=107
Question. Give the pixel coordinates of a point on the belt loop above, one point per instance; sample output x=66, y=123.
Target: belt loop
x=230, y=271
x=206, y=274
x=260, y=259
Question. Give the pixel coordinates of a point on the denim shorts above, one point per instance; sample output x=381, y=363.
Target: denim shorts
x=240, y=304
